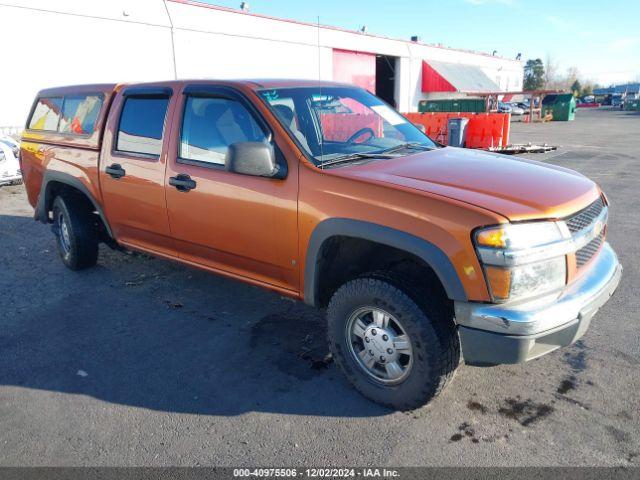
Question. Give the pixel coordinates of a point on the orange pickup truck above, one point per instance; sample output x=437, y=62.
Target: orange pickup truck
x=420, y=254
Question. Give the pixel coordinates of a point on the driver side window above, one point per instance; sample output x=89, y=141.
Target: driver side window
x=211, y=124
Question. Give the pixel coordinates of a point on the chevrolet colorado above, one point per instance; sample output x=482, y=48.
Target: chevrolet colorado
x=422, y=255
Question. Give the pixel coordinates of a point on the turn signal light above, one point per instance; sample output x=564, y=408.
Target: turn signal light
x=499, y=280
x=492, y=237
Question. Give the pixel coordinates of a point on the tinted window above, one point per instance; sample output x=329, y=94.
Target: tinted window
x=141, y=125
x=210, y=125
x=79, y=114
x=46, y=115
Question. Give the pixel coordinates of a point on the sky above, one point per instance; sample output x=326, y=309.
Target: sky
x=599, y=38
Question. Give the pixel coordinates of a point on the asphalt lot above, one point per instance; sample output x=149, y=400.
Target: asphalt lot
x=145, y=362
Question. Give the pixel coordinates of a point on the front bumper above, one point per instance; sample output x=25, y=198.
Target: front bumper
x=492, y=334
x=10, y=179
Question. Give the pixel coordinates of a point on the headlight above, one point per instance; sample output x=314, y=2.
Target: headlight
x=523, y=260
x=526, y=281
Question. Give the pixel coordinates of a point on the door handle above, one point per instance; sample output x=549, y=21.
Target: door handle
x=182, y=182
x=115, y=170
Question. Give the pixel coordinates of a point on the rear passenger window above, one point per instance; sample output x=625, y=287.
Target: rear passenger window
x=142, y=124
x=46, y=115
x=210, y=125
x=79, y=114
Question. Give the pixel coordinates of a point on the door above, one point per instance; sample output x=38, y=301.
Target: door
x=242, y=225
x=133, y=166
x=357, y=68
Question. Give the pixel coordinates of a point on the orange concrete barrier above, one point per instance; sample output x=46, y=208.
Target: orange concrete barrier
x=484, y=130
x=506, y=129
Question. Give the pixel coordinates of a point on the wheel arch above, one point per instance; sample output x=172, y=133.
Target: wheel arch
x=426, y=251
x=52, y=182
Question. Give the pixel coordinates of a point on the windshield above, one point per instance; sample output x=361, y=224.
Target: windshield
x=9, y=142
x=330, y=123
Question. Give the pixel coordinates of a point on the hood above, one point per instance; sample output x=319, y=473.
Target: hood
x=516, y=188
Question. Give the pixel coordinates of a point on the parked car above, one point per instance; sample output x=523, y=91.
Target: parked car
x=516, y=109
x=616, y=100
x=504, y=107
x=420, y=254
x=12, y=143
x=526, y=103
x=9, y=161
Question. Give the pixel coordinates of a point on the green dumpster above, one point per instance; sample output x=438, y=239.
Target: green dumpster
x=434, y=106
x=470, y=105
x=561, y=105
x=632, y=105
x=475, y=105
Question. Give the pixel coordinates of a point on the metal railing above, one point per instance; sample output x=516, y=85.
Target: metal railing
x=15, y=131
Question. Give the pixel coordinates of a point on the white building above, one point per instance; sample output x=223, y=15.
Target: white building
x=59, y=42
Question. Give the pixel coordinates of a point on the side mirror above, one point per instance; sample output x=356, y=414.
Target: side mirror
x=252, y=158
x=420, y=127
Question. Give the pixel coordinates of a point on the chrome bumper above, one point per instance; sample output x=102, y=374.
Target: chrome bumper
x=11, y=180
x=517, y=332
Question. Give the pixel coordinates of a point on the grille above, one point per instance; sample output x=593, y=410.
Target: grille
x=584, y=217
x=587, y=252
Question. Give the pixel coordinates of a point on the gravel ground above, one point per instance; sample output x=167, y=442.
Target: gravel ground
x=140, y=361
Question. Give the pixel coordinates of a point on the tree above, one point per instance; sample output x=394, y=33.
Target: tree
x=587, y=89
x=550, y=73
x=572, y=74
x=576, y=88
x=534, y=74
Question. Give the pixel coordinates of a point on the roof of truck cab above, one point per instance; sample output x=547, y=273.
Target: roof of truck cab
x=288, y=83
x=87, y=88
x=253, y=84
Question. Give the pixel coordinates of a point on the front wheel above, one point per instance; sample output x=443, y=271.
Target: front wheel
x=393, y=351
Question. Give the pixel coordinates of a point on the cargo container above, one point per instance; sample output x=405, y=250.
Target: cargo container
x=470, y=105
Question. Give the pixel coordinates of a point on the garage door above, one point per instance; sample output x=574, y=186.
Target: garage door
x=356, y=68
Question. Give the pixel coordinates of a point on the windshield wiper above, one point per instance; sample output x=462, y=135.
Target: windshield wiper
x=383, y=154
x=403, y=146
x=355, y=156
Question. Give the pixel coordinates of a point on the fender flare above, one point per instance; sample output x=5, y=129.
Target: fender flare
x=421, y=248
x=44, y=199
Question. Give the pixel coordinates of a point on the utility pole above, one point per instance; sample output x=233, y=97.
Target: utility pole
x=173, y=45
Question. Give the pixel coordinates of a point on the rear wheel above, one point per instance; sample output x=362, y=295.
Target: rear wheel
x=393, y=351
x=76, y=232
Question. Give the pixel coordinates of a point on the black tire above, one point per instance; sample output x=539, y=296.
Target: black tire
x=81, y=249
x=434, y=341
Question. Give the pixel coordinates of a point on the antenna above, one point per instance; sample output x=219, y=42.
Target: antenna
x=320, y=99
x=173, y=42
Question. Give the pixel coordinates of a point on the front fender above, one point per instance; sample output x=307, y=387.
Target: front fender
x=423, y=249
